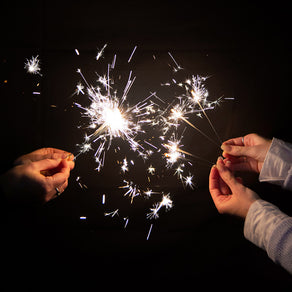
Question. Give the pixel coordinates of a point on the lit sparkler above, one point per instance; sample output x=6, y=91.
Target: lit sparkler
x=112, y=118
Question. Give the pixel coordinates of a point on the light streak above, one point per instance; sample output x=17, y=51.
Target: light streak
x=126, y=219
x=201, y=132
x=131, y=56
x=178, y=67
x=149, y=232
x=99, y=54
x=112, y=213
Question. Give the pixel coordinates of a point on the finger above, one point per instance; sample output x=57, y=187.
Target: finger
x=71, y=164
x=46, y=164
x=59, y=178
x=234, y=150
x=214, y=185
x=49, y=152
x=224, y=188
x=249, y=151
x=54, y=153
x=226, y=174
x=237, y=163
x=234, y=141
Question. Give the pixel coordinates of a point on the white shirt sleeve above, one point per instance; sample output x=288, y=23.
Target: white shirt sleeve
x=277, y=167
x=270, y=229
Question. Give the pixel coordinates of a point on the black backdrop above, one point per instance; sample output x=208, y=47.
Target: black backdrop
x=244, y=47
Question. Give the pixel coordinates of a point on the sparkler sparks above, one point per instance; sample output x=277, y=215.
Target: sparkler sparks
x=32, y=66
x=151, y=170
x=112, y=213
x=188, y=180
x=166, y=202
x=99, y=54
x=111, y=117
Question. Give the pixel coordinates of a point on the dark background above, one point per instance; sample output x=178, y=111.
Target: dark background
x=244, y=46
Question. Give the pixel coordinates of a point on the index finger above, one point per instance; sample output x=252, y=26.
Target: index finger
x=43, y=153
x=53, y=153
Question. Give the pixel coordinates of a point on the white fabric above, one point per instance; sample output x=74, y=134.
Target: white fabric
x=265, y=225
x=277, y=167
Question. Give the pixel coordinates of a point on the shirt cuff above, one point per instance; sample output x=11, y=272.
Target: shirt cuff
x=277, y=167
x=261, y=220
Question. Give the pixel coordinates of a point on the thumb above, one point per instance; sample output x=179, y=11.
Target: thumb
x=226, y=175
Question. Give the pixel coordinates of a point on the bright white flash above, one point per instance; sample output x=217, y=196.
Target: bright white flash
x=114, y=120
x=32, y=66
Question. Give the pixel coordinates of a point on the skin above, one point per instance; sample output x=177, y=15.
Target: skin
x=249, y=156
x=230, y=196
x=35, y=176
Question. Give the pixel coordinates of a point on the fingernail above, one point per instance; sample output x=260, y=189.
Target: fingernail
x=65, y=155
x=228, y=162
x=225, y=147
x=70, y=157
x=220, y=159
x=220, y=162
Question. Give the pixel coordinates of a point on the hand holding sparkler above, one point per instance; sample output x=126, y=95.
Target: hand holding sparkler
x=230, y=196
x=246, y=153
x=37, y=177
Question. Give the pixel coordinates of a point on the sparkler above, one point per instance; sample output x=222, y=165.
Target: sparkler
x=112, y=118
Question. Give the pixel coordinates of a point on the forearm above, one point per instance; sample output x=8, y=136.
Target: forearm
x=270, y=229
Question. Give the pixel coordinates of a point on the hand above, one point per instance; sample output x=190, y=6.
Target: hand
x=230, y=196
x=246, y=153
x=36, y=176
x=43, y=153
